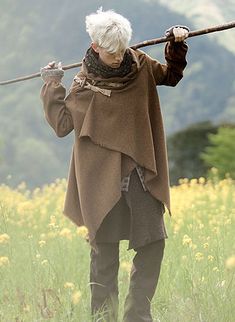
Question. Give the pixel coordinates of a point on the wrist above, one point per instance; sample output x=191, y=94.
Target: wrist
x=52, y=74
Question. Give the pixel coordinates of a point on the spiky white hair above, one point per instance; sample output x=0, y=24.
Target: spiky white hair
x=109, y=30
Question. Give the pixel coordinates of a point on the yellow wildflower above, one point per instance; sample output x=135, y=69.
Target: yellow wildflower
x=176, y=228
x=76, y=296
x=205, y=245
x=199, y=256
x=4, y=260
x=210, y=258
x=24, y=207
x=193, y=246
x=53, y=219
x=26, y=308
x=4, y=238
x=215, y=230
x=201, y=180
x=82, y=231
x=66, y=232
x=230, y=262
x=215, y=269
x=187, y=240
x=52, y=223
x=202, y=279
x=44, y=262
x=214, y=170
x=126, y=266
x=221, y=284
x=69, y=285
x=193, y=181
x=228, y=221
x=183, y=181
x=201, y=225
x=51, y=234
x=42, y=243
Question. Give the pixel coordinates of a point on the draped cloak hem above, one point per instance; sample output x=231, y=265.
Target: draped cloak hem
x=76, y=214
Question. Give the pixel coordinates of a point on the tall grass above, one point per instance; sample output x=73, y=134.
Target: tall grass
x=44, y=258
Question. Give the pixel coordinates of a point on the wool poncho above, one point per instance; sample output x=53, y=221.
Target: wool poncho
x=117, y=124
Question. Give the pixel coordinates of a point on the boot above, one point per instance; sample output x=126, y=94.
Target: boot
x=104, y=282
x=143, y=282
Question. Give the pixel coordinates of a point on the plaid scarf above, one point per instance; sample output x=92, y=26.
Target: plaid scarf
x=96, y=67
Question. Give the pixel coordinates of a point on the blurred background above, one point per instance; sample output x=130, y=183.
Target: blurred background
x=198, y=113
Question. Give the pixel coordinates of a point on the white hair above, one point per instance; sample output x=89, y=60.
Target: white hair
x=109, y=30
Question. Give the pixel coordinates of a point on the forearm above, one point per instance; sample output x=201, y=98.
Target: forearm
x=56, y=112
x=175, y=55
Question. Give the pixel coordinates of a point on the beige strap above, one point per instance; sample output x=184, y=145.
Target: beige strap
x=84, y=84
x=106, y=92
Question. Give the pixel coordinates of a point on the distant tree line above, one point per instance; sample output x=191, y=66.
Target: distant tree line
x=193, y=151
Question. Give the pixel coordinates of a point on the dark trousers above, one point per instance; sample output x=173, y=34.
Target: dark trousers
x=143, y=282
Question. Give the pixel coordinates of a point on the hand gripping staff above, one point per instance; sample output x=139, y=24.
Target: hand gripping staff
x=139, y=45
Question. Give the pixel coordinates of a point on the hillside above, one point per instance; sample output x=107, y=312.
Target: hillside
x=43, y=31
x=207, y=13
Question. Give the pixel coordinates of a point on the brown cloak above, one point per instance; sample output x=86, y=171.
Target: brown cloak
x=113, y=133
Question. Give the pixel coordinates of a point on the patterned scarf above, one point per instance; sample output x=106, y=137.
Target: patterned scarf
x=96, y=67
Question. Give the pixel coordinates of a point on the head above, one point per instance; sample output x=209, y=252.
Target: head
x=110, y=34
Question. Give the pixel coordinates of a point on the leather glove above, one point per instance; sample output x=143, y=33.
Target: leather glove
x=179, y=32
x=52, y=73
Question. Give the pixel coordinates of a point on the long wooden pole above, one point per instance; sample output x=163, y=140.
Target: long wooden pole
x=139, y=45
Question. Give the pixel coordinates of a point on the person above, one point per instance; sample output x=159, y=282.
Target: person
x=118, y=182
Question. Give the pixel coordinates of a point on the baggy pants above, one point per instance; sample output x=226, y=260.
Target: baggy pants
x=143, y=282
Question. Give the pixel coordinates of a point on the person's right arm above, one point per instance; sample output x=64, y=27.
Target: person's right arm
x=171, y=72
x=53, y=98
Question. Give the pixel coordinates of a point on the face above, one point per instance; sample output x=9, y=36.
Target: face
x=112, y=60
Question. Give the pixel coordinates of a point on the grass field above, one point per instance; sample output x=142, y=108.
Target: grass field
x=44, y=258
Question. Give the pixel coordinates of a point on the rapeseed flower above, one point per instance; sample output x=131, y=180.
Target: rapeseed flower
x=202, y=180
x=41, y=243
x=215, y=269
x=69, y=285
x=4, y=260
x=210, y=258
x=187, y=240
x=76, y=296
x=82, y=231
x=230, y=262
x=4, y=238
x=126, y=266
x=199, y=256
x=205, y=245
x=44, y=262
x=66, y=232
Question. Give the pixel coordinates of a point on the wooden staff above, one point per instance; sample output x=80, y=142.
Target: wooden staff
x=139, y=45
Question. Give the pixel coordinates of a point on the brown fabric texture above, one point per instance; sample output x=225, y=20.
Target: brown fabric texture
x=104, y=267
x=137, y=217
x=113, y=133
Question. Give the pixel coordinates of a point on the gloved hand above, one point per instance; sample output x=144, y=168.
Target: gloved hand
x=179, y=32
x=52, y=73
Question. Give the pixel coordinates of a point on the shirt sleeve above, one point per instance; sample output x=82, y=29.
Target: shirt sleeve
x=56, y=112
x=171, y=72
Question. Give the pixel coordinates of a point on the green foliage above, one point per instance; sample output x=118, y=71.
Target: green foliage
x=184, y=149
x=220, y=154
